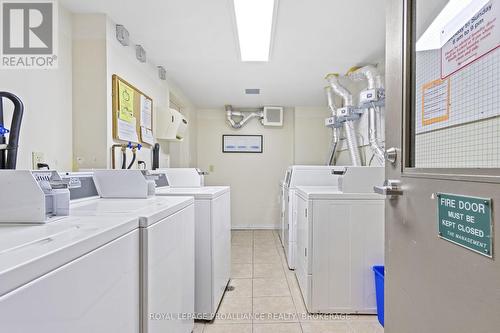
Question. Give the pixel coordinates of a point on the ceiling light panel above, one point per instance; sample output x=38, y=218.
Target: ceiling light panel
x=254, y=23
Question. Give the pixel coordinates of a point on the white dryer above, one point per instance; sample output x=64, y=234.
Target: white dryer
x=74, y=274
x=300, y=175
x=340, y=237
x=166, y=228
x=212, y=243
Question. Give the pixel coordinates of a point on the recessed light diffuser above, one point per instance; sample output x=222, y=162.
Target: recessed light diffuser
x=254, y=22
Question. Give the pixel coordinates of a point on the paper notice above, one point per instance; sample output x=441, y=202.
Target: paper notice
x=435, y=102
x=146, y=112
x=147, y=136
x=126, y=102
x=127, y=130
x=476, y=38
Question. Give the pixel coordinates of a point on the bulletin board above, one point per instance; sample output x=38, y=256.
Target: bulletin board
x=132, y=113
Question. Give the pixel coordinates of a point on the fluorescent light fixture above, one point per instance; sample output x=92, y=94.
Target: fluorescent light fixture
x=453, y=16
x=254, y=22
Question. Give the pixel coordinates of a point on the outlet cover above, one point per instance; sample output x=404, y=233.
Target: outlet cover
x=36, y=157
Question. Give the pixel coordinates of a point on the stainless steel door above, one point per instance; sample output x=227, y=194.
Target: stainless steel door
x=431, y=284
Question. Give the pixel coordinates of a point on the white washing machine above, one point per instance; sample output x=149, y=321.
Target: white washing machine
x=298, y=175
x=212, y=244
x=212, y=230
x=74, y=274
x=166, y=228
x=340, y=237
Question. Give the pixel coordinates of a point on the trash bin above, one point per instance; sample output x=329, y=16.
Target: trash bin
x=379, y=290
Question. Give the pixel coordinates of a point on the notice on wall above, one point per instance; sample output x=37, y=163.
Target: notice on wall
x=477, y=37
x=146, y=112
x=147, y=136
x=126, y=102
x=127, y=129
x=435, y=102
x=466, y=221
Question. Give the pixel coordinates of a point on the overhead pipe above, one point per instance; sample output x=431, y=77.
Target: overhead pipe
x=352, y=141
x=374, y=80
x=230, y=113
x=335, y=130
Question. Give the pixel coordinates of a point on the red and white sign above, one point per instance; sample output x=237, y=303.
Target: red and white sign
x=477, y=37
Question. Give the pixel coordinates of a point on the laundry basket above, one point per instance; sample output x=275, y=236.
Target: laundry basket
x=379, y=289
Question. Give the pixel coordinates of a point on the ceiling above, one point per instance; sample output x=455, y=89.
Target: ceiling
x=195, y=40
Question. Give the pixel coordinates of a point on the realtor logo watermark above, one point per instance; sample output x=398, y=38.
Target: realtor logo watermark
x=29, y=34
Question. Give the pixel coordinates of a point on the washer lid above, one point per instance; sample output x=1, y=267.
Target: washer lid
x=205, y=192
x=30, y=251
x=329, y=193
x=149, y=211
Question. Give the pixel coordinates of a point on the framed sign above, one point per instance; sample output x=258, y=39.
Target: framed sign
x=466, y=221
x=242, y=143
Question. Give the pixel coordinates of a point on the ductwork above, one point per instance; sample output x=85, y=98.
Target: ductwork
x=335, y=130
x=352, y=142
x=244, y=118
x=368, y=73
x=333, y=80
x=374, y=80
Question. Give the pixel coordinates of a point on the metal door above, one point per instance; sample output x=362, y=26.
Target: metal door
x=432, y=284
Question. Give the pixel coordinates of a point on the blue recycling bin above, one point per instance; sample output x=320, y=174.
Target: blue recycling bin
x=379, y=290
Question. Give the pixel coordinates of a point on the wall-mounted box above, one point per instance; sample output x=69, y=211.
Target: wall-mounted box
x=170, y=125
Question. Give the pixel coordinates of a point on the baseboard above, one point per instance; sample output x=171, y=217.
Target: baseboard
x=255, y=227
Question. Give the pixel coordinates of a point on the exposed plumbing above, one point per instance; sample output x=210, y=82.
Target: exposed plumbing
x=374, y=89
x=244, y=116
x=335, y=128
x=352, y=141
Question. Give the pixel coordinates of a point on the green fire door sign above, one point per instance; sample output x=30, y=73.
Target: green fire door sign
x=466, y=221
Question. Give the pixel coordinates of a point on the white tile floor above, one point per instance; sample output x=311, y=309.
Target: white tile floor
x=264, y=285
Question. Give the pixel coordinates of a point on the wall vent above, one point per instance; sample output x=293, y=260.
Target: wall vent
x=252, y=91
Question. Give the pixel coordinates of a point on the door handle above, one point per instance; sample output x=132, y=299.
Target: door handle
x=391, y=188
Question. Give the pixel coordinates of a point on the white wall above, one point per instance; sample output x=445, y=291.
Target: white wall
x=89, y=91
x=98, y=56
x=47, y=97
x=184, y=154
x=311, y=137
x=254, y=178
x=121, y=60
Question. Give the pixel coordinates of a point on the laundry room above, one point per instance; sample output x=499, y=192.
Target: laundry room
x=249, y=166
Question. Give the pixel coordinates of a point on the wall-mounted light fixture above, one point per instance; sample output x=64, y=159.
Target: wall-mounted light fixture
x=122, y=35
x=140, y=53
x=162, y=73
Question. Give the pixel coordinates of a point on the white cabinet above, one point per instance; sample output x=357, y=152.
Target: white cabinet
x=339, y=240
x=98, y=292
x=168, y=277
